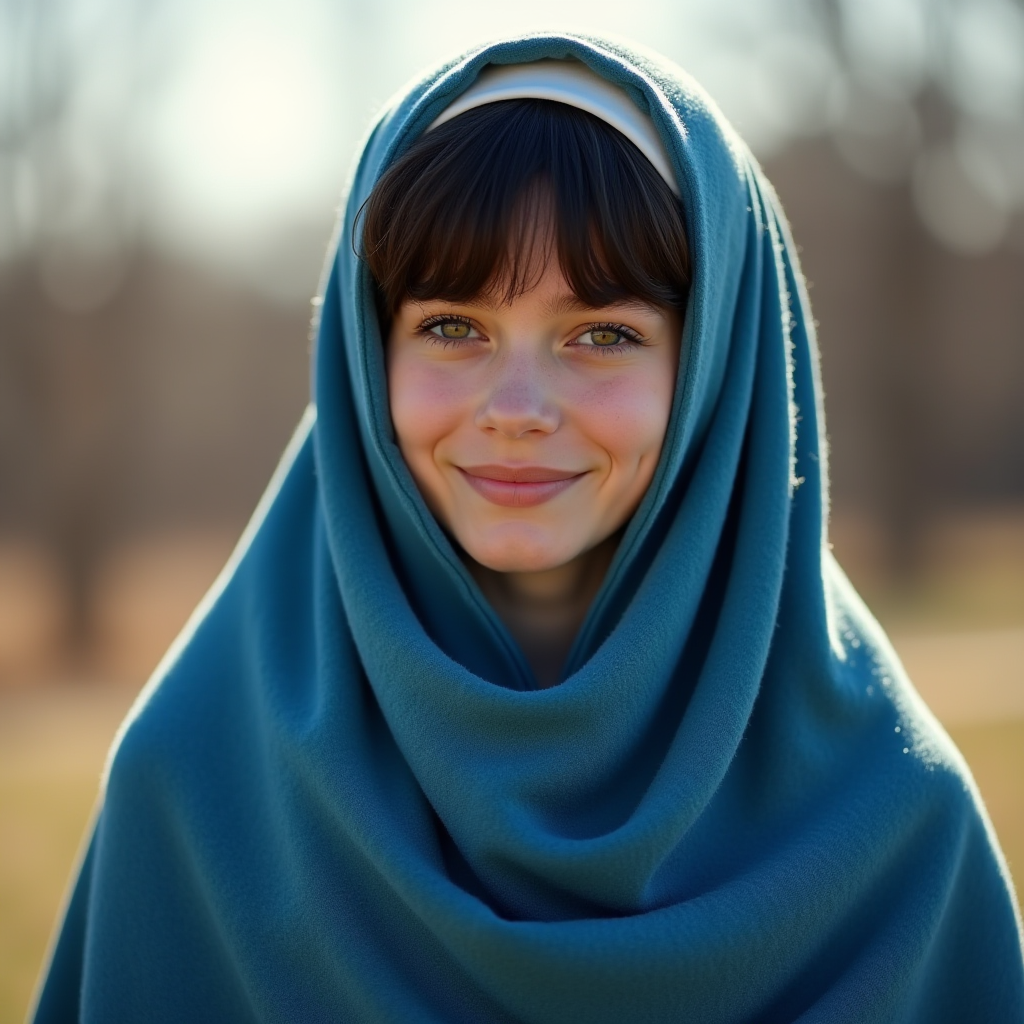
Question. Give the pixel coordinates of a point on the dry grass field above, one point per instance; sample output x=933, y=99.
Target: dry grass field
x=52, y=745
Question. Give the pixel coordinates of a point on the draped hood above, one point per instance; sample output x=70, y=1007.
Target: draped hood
x=342, y=798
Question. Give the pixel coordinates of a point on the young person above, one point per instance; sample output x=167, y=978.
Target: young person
x=533, y=692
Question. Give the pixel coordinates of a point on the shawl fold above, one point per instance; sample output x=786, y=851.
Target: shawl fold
x=341, y=797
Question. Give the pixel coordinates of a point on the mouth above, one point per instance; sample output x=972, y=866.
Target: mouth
x=518, y=486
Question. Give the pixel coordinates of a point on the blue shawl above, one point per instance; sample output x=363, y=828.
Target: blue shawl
x=342, y=799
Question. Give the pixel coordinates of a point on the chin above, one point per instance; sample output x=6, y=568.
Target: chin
x=519, y=551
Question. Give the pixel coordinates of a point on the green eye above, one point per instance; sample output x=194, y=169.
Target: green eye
x=609, y=336
x=454, y=329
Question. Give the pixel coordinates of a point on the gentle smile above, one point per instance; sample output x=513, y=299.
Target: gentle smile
x=518, y=486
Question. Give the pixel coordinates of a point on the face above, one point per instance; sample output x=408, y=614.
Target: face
x=532, y=428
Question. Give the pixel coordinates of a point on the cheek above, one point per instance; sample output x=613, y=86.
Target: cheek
x=628, y=415
x=427, y=403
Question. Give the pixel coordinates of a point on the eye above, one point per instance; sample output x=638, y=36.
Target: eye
x=608, y=336
x=604, y=337
x=450, y=328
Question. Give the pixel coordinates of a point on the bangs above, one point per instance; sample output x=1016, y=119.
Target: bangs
x=476, y=206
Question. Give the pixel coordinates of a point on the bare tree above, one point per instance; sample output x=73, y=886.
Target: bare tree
x=934, y=116
x=75, y=78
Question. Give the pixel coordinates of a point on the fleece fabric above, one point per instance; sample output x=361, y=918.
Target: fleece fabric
x=342, y=798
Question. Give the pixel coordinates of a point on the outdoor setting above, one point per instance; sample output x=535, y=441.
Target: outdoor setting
x=170, y=179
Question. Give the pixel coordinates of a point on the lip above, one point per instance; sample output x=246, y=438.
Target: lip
x=518, y=486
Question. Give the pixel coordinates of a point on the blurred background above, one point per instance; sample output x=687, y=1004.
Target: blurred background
x=169, y=175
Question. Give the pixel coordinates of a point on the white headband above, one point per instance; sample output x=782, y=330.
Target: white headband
x=573, y=83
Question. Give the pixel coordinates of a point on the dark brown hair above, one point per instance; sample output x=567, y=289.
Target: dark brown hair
x=462, y=212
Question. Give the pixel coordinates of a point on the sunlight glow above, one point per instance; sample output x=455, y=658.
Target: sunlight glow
x=246, y=131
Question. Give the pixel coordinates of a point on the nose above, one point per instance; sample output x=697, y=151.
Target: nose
x=519, y=399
